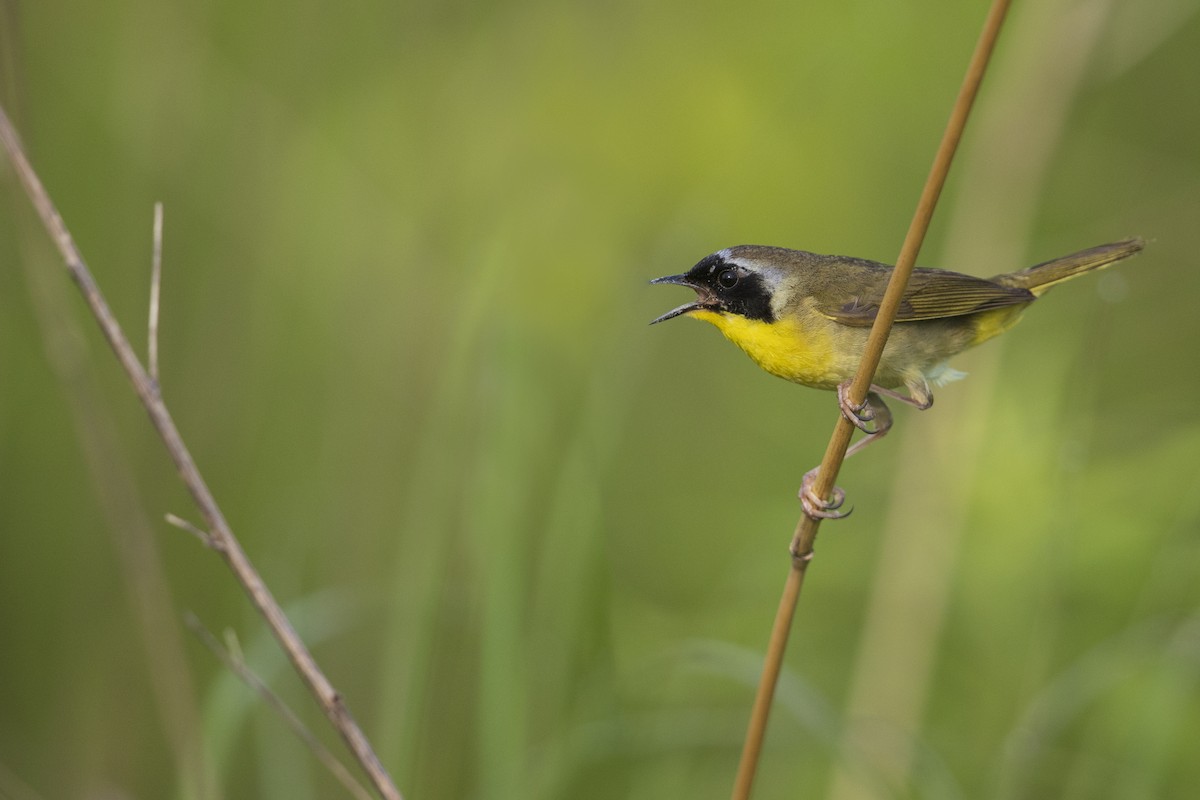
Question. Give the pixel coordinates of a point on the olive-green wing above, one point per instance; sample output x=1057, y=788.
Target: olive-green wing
x=931, y=294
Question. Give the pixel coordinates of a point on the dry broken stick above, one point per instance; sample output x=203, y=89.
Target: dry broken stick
x=155, y=291
x=223, y=540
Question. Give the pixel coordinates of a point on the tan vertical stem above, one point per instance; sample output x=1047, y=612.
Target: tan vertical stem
x=1014, y=142
x=806, y=528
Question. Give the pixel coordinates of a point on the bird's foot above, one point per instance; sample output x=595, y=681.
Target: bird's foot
x=817, y=507
x=860, y=415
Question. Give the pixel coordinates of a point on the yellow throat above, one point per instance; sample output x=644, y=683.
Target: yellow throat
x=782, y=348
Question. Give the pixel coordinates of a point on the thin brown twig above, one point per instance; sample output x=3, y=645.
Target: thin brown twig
x=228, y=545
x=205, y=537
x=806, y=529
x=232, y=658
x=143, y=575
x=155, y=291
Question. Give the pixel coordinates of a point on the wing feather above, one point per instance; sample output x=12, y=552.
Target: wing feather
x=932, y=294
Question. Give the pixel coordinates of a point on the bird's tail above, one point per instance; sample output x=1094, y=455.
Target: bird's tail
x=1041, y=277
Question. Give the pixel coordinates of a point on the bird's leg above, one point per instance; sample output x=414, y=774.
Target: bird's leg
x=863, y=414
x=872, y=416
x=882, y=416
x=872, y=410
x=919, y=396
x=859, y=415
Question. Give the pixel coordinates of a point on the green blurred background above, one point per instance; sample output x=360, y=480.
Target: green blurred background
x=537, y=543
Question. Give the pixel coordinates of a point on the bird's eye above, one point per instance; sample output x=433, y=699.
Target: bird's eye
x=728, y=278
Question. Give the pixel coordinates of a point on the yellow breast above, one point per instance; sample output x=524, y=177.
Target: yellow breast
x=782, y=348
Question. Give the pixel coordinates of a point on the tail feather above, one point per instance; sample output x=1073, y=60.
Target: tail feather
x=1041, y=277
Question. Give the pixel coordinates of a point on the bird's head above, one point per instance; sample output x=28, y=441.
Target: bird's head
x=746, y=281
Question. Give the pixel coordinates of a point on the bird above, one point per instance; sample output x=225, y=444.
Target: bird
x=805, y=317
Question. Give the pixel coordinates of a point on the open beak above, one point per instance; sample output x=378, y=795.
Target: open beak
x=703, y=299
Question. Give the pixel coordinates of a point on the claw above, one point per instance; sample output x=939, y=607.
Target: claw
x=818, y=507
x=859, y=415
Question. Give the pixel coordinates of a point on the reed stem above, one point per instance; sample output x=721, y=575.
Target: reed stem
x=806, y=529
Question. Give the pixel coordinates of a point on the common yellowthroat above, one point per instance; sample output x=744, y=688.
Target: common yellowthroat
x=805, y=317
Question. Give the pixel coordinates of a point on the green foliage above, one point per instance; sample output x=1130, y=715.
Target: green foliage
x=535, y=543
